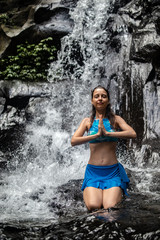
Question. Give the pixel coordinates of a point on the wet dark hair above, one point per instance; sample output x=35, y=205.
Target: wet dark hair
x=109, y=113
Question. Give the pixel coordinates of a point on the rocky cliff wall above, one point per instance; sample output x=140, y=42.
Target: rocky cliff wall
x=33, y=21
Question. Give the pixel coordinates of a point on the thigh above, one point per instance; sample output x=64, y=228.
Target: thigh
x=93, y=198
x=111, y=197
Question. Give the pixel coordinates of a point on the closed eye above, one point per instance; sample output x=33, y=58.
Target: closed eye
x=97, y=96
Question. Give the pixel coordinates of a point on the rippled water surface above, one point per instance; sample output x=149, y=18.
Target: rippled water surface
x=137, y=217
x=117, y=224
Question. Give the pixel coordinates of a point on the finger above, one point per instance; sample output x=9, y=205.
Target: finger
x=101, y=121
x=100, y=130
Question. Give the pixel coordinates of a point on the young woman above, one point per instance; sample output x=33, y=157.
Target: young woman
x=105, y=179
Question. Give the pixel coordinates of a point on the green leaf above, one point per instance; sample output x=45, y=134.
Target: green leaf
x=31, y=61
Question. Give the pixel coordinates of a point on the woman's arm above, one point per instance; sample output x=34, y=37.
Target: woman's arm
x=126, y=133
x=78, y=137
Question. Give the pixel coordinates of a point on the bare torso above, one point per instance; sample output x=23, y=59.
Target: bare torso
x=102, y=154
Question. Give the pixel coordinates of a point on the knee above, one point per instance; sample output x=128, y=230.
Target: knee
x=109, y=204
x=93, y=206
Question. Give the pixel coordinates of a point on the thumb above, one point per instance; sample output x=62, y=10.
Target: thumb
x=100, y=119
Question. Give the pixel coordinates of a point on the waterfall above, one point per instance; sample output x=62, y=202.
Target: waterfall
x=46, y=160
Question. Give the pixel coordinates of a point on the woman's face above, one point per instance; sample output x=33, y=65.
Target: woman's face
x=100, y=98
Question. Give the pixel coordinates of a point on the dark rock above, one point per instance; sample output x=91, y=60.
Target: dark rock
x=33, y=24
x=116, y=44
x=154, y=2
x=118, y=4
x=10, y=140
x=71, y=190
x=69, y=3
x=157, y=25
x=18, y=101
x=5, y=41
x=3, y=163
x=145, y=46
x=19, y=17
x=44, y=14
x=12, y=4
x=15, y=98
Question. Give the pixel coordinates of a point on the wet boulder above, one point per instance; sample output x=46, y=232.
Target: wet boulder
x=145, y=44
x=16, y=100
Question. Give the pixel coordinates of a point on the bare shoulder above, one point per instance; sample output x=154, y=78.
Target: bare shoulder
x=120, y=122
x=87, y=119
x=86, y=122
x=119, y=119
x=82, y=127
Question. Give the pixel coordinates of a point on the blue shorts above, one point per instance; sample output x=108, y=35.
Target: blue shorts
x=105, y=177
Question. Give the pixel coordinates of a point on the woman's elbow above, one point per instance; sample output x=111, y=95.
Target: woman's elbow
x=134, y=134
x=73, y=142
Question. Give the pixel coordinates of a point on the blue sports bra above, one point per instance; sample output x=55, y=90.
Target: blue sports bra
x=94, y=129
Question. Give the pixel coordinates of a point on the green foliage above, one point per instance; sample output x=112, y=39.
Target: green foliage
x=30, y=63
x=5, y=19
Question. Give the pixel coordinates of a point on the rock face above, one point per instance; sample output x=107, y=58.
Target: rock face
x=138, y=22
x=28, y=21
x=33, y=21
x=142, y=20
x=15, y=98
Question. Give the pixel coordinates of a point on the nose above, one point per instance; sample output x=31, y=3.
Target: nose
x=100, y=97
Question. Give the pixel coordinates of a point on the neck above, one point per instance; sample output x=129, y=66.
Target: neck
x=100, y=114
